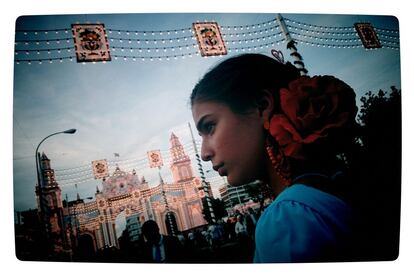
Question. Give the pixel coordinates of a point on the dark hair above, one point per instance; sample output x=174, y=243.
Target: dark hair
x=239, y=82
x=149, y=227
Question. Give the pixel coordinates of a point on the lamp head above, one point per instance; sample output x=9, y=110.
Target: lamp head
x=70, y=131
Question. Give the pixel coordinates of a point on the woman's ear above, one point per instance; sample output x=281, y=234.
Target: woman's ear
x=265, y=104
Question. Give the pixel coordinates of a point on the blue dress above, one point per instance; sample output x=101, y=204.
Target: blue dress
x=303, y=224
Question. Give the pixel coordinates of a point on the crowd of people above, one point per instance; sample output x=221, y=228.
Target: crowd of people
x=229, y=240
x=235, y=228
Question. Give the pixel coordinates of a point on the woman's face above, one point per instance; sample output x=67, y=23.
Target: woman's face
x=234, y=143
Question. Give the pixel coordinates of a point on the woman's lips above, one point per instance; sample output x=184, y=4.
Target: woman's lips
x=222, y=171
x=216, y=167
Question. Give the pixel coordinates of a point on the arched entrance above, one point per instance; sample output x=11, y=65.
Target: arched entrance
x=85, y=250
x=171, y=223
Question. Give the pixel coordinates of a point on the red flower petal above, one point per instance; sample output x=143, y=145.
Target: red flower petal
x=283, y=131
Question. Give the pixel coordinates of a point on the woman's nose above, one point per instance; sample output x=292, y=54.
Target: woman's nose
x=206, y=152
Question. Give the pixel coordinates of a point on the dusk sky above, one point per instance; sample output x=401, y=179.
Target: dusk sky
x=129, y=107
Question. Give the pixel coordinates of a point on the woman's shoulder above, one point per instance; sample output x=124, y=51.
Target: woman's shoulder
x=311, y=197
x=299, y=224
x=302, y=200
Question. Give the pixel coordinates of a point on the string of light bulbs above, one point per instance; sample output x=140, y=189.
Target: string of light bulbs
x=40, y=61
x=384, y=41
x=251, y=48
x=313, y=43
x=146, y=32
x=86, y=171
x=68, y=176
x=36, y=32
x=256, y=39
x=335, y=39
x=41, y=41
x=147, y=50
x=327, y=45
x=28, y=51
x=248, y=26
x=76, y=182
x=151, y=49
x=80, y=176
x=153, y=40
x=149, y=32
x=394, y=38
x=322, y=32
x=249, y=34
x=188, y=29
x=384, y=30
x=327, y=39
x=188, y=147
x=153, y=58
x=318, y=26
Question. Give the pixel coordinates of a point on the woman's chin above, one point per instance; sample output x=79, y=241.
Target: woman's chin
x=242, y=180
x=236, y=182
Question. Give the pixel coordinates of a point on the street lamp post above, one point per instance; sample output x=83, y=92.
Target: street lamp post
x=40, y=185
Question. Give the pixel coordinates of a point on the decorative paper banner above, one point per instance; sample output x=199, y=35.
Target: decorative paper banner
x=91, y=43
x=209, y=39
x=155, y=158
x=368, y=35
x=100, y=168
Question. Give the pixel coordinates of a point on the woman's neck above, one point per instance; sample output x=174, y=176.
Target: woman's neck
x=273, y=179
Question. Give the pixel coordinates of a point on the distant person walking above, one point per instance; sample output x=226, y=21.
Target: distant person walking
x=160, y=248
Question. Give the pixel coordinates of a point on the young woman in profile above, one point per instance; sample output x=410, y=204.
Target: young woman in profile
x=260, y=120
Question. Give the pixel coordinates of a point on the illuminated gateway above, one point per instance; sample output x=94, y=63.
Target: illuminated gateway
x=94, y=222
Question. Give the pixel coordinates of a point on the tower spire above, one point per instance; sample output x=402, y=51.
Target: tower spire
x=180, y=162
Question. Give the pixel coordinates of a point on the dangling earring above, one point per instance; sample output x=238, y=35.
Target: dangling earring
x=266, y=125
x=279, y=162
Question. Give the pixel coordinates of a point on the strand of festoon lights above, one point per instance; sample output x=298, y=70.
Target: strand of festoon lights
x=318, y=37
x=359, y=45
x=180, y=43
x=137, y=161
x=321, y=32
x=177, y=39
x=317, y=27
x=82, y=174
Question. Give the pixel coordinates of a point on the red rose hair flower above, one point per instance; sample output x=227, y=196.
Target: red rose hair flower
x=312, y=110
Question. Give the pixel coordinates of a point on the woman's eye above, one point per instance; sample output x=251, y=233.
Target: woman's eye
x=209, y=128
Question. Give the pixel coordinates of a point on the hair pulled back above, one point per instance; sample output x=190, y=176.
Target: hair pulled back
x=239, y=82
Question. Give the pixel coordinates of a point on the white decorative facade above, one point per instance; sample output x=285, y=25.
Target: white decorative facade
x=126, y=192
